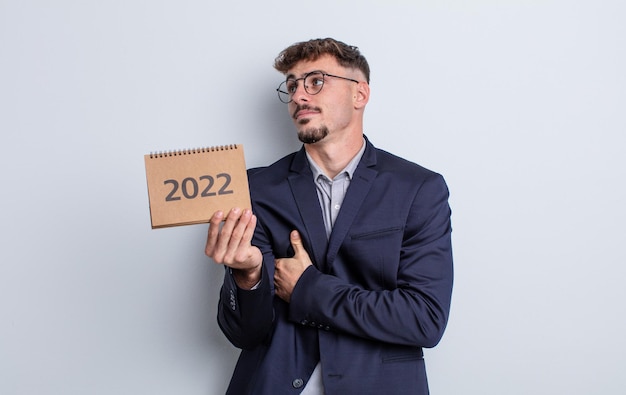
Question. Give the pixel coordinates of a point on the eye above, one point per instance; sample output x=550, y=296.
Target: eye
x=291, y=86
x=317, y=80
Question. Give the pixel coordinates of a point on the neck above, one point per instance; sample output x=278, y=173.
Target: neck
x=333, y=156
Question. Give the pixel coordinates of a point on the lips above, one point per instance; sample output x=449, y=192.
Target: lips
x=303, y=111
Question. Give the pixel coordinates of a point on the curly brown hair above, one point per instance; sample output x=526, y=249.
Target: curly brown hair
x=347, y=55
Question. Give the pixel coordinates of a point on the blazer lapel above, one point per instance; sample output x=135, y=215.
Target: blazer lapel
x=305, y=195
x=357, y=191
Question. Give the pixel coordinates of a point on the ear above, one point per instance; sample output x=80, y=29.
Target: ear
x=361, y=95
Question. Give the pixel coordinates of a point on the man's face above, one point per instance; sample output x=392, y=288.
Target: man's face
x=328, y=112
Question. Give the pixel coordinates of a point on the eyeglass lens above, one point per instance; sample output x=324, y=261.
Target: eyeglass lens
x=313, y=84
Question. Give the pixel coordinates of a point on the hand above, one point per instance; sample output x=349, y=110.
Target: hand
x=230, y=244
x=288, y=270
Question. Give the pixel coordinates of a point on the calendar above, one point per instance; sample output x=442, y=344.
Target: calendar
x=187, y=186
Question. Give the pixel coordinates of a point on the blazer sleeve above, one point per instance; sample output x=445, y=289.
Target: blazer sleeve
x=416, y=311
x=245, y=316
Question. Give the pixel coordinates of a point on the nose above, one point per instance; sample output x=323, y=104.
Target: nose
x=300, y=95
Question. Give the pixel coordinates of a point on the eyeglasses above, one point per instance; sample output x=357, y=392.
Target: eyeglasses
x=313, y=84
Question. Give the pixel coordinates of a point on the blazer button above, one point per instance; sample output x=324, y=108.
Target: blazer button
x=233, y=304
x=297, y=383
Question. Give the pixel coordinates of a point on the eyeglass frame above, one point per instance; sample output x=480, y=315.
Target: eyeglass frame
x=324, y=75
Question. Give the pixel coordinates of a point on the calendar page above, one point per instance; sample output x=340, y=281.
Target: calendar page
x=187, y=186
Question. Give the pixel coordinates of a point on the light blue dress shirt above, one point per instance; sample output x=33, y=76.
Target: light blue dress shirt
x=330, y=194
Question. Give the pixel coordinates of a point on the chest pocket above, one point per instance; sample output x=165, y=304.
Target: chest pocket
x=371, y=258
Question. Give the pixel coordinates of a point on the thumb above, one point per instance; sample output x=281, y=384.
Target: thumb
x=296, y=242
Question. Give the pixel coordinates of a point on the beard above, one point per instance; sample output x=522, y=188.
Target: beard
x=309, y=135
x=312, y=135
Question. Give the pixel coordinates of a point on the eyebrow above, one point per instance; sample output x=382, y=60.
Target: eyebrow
x=292, y=76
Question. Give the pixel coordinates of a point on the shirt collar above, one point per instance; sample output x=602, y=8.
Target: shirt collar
x=349, y=169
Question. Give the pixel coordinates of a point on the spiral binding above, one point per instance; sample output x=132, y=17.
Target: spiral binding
x=191, y=151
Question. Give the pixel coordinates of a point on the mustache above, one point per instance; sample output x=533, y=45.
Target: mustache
x=301, y=107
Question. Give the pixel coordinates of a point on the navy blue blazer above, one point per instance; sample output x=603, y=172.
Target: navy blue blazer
x=379, y=290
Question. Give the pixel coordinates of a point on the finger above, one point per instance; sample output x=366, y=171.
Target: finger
x=276, y=271
x=239, y=231
x=277, y=279
x=213, y=232
x=296, y=242
x=239, y=246
x=250, y=228
x=227, y=230
x=241, y=243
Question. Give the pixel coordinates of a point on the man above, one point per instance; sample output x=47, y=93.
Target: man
x=343, y=273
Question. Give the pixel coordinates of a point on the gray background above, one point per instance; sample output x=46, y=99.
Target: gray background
x=520, y=104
